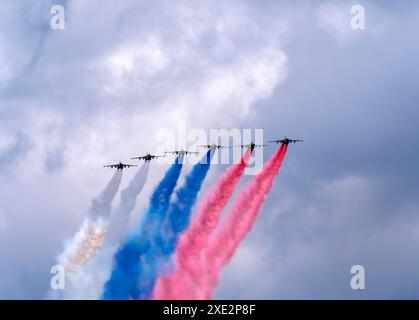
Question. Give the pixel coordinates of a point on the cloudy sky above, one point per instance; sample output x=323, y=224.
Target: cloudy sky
x=103, y=88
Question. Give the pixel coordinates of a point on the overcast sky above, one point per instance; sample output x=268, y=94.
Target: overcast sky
x=101, y=89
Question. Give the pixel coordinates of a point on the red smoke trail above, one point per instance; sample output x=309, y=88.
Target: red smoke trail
x=189, y=268
x=239, y=222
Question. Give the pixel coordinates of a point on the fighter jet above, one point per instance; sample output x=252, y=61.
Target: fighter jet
x=120, y=166
x=285, y=141
x=181, y=153
x=212, y=146
x=147, y=157
x=251, y=146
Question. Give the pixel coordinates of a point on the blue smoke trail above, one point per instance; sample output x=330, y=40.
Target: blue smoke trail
x=127, y=262
x=163, y=245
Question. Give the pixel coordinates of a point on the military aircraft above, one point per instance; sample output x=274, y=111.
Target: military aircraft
x=251, y=146
x=181, y=152
x=285, y=141
x=120, y=166
x=212, y=146
x=147, y=157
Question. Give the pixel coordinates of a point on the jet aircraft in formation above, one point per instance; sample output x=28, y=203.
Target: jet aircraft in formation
x=285, y=141
x=251, y=146
x=181, y=153
x=120, y=166
x=212, y=147
x=147, y=157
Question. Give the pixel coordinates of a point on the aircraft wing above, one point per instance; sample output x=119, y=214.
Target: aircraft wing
x=111, y=166
x=139, y=158
x=128, y=165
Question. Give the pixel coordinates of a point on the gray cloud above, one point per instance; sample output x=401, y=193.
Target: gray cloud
x=101, y=89
x=349, y=194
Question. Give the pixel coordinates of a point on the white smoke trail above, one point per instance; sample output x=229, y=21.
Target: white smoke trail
x=120, y=218
x=88, y=240
x=84, y=245
x=88, y=281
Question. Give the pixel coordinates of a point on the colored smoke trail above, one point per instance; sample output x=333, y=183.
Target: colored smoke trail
x=177, y=221
x=88, y=240
x=239, y=222
x=89, y=280
x=164, y=244
x=188, y=269
x=84, y=245
x=122, y=283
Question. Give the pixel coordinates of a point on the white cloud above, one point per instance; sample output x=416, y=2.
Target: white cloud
x=221, y=62
x=336, y=17
x=104, y=86
x=101, y=89
x=142, y=58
